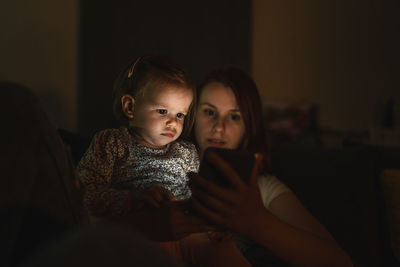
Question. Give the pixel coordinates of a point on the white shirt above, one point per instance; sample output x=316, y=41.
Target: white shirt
x=270, y=188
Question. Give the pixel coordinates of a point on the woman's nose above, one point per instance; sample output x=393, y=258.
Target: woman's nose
x=219, y=125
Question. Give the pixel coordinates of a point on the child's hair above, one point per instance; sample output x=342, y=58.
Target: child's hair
x=148, y=72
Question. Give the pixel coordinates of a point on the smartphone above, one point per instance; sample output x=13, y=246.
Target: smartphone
x=241, y=161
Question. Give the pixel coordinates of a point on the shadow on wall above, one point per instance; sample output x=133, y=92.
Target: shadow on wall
x=55, y=107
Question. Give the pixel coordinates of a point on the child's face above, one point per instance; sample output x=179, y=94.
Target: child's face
x=159, y=114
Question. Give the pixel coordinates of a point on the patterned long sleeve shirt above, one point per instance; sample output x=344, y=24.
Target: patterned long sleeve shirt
x=115, y=162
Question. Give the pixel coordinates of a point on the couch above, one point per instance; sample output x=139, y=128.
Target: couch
x=340, y=186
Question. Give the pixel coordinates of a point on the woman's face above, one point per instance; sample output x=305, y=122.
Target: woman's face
x=218, y=121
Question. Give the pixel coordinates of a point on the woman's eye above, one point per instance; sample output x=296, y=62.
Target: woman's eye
x=209, y=112
x=235, y=117
x=180, y=115
x=162, y=111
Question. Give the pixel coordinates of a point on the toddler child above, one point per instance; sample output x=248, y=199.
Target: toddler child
x=153, y=100
x=125, y=168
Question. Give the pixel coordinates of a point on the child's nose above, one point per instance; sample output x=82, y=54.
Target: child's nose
x=172, y=120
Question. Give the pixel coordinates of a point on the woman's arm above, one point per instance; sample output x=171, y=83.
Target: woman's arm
x=287, y=229
x=294, y=235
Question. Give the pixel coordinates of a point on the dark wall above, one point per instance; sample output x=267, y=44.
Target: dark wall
x=200, y=35
x=341, y=55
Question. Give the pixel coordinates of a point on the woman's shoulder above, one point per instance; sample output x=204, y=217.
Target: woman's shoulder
x=270, y=188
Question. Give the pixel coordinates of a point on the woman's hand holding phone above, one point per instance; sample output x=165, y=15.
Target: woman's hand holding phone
x=234, y=205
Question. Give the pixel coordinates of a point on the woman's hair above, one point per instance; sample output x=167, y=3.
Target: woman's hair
x=149, y=72
x=249, y=101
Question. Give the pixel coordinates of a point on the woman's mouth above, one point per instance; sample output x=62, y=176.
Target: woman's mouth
x=215, y=142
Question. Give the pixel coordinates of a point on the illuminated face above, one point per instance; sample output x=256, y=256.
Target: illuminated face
x=159, y=114
x=218, y=122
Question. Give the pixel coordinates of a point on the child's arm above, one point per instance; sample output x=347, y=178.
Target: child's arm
x=95, y=170
x=192, y=157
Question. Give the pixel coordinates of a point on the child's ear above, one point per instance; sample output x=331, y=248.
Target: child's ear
x=128, y=105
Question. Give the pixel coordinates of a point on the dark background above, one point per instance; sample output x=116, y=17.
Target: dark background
x=341, y=55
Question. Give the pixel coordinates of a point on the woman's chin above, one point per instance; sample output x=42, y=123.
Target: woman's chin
x=217, y=144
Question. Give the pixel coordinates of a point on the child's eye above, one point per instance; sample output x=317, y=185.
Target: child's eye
x=162, y=111
x=180, y=115
x=209, y=112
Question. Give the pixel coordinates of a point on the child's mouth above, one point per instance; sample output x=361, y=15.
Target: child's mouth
x=169, y=135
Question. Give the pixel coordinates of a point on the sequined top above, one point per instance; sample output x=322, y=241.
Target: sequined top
x=116, y=162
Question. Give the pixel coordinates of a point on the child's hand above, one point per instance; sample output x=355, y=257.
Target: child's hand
x=152, y=196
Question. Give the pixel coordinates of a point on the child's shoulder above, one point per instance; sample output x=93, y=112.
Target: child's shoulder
x=187, y=150
x=112, y=135
x=186, y=145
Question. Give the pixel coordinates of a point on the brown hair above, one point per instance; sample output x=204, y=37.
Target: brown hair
x=149, y=72
x=249, y=101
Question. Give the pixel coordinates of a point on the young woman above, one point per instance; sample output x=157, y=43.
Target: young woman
x=264, y=210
